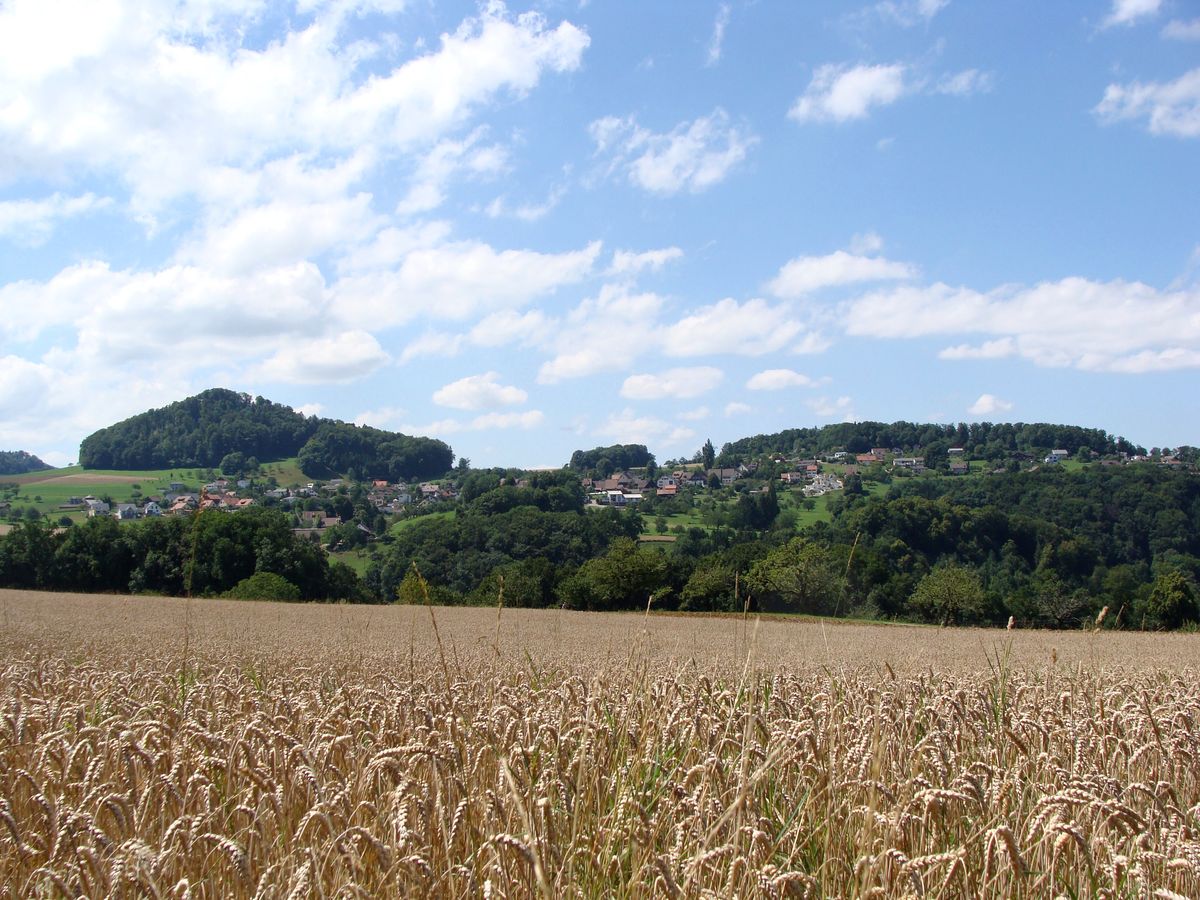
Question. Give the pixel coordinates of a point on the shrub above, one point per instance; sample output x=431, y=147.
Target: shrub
x=264, y=586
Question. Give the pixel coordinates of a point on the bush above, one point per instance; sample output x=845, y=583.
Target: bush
x=264, y=586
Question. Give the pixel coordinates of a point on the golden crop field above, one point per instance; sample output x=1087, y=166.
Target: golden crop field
x=171, y=748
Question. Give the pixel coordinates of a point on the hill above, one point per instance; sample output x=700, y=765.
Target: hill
x=19, y=462
x=215, y=425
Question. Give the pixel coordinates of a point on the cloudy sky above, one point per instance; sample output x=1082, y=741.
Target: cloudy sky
x=542, y=226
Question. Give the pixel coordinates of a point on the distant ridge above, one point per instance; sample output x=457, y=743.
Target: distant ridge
x=206, y=429
x=19, y=462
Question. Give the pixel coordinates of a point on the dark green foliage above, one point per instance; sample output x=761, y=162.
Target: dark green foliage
x=263, y=586
x=18, y=462
x=204, y=555
x=199, y=431
x=338, y=447
x=232, y=431
x=982, y=440
x=1172, y=601
x=605, y=460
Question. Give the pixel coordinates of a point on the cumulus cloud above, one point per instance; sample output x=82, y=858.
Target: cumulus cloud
x=479, y=392
x=627, y=262
x=339, y=359
x=30, y=223
x=737, y=408
x=1113, y=326
x=1171, y=108
x=753, y=328
x=988, y=404
x=198, y=99
x=1180, y=30
x=627, y=427
x=829, y=408
x=908, y=13
x=614, y=303
x=806, y=274
x=841, y=93
x=692, y=157
x=682, y=383
x=1128, y=12
x=458, y=280
x=778, y=380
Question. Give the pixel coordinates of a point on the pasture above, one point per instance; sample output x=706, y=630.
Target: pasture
x=222, y=749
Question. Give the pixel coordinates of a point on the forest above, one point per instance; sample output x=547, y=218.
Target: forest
x=205, y=429
x=19, y=462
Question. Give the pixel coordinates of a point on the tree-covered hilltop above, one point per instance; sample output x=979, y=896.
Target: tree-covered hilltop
x=204, y=429
x=980, y=440
x=604, y=460
x=19, y=462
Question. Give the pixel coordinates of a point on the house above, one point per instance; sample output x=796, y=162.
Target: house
x=866, y=459
x=95, y=507
x=379, y=484
x=912, y=463
x=669, y=490
x=880, y=453
x=1056, y=456
x=152, y=508
x=727, y=476
x=126, y=512
x=959, y=467
x=955, y=451
x=793, y=477
x=666, y=481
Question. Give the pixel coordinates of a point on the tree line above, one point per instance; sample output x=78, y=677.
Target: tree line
x=204, y=430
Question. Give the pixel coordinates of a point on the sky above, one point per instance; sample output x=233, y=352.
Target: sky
x=530, y=228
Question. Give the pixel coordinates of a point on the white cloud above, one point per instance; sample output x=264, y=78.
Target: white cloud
x=479, y=392
x=627, y=262
x=339, y=359
x=1179, y=30
x=698, y=414
x=437, y=344
x=526, y=212
x=964, y=83
x=30, y=223
x=908, y=13
x=737, y=408
x=458, y=280
x=526, y=420
x=1127, y=12
x=753, y=328
x=627, y=427
x=310, y=409
x=445, y=159
x=997, y=349
x=162, y=100
x=389, y=418
x=1171, y=108
x=839, y=94
x=828, y=408
x=806, y=274
x=693, y=156
x=718, y=35
x=866, y=243
x=1112, y=326
x=613, y=304
x=778, y=380
x=680, y=384
x=510, y=327
x=988, y=404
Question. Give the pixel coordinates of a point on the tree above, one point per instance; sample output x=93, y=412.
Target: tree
x=950, y=595
x=801, y=577
x=264, y=586
x=708, y=454
x=1172, y=601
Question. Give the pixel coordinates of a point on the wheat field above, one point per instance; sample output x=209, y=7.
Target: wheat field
x=171, y=748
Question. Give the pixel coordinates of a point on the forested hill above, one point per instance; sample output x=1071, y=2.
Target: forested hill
x=981, y=440
x=18, y=462
x=205, y=429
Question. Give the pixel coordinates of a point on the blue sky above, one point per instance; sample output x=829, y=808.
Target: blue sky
x=528, y=229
